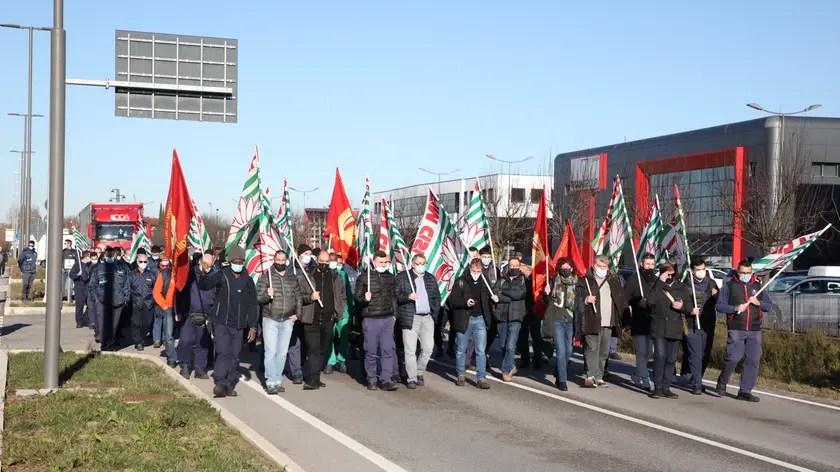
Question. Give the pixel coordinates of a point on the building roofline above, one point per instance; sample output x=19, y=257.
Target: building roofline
x=431, y=184
x=713, y=131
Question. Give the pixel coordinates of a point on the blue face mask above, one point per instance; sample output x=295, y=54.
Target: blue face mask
x=305, y=259
x=156, y=258
x=142, y=265
x=381, y=269
x=420, y=270
x=333, y=265
x=109, y=260
x=237, y=267
x=94, y=261
x=745, y=278
x=486, y=262
x=600, y=273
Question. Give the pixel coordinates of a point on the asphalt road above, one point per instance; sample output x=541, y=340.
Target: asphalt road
x=525, y=425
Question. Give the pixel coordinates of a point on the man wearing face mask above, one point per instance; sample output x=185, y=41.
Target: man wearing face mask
x=696, y=344
x=471, y=303
x=164, y=294
x=744, y=312
x=640, y=318
x=281, y=300
x=340, y=342
x=322, y=307
x=154, y=261
x=194, y=344
x=89, y=278
x=379, y=308
x=346, y=268
x=112, y=293
x=297, y=350
x=69, y=257
x=511, y=293
x=670, y=303
x=419, y=304
x=27, y=262
x=141, y=282
x=600, y=304
x=78, y=274
x=235, y=311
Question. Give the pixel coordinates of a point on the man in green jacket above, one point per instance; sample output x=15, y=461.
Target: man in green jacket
x=341, y=332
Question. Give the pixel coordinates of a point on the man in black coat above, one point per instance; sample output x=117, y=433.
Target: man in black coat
x=512, y=292
x=697, y=344
x=141, y=282
x=471, y=304
x=27, y=262
x=418, y=297
x=69, y=257
x=235, y=310
x=669, y=302
x=80, y=277
x=640, y=318
x=378, y=303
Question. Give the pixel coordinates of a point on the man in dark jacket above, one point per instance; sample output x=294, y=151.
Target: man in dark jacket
x=640, y=318
x=69, y=257
x=235, y=310
x=378, y=302
x=418, y=297
x=280, y=298
x=141, y=283
x=511, y=293
x=341, y=331
x=669, y=302
x=194, y=344
x=27, y=262
x=4, y=258
x=78, y=274
x=154, y=261
x=89, y=278
x=112, y=293
x=697, y=344
x=600, y=304
x=471, y=304
x=297, y=350
x=322, y=307
x=744, y=310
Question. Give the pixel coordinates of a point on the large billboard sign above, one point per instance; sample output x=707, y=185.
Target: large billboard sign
x=588, y=172
x=176, y=77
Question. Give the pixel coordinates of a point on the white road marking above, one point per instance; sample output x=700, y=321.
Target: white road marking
x=337, y=435
x=760, y=392
x=648, y=424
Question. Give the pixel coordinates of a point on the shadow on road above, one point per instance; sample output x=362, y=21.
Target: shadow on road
x=12, y=328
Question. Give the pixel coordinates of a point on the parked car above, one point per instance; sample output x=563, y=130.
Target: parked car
x=806, y=303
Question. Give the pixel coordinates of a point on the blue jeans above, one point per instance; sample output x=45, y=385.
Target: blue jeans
x=157, y=329
x=478, y=329
x=644, y=349
x=276, y=337
x=564, y=332
x=665, y=355
x=508, y=337
x=168, y=334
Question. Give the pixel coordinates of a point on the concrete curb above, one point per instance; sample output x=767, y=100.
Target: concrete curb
x=275, y=455
x=9, y=310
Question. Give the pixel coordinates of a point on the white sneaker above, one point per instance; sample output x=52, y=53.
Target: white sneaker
x=637, y=381
x=646, y=384
x=601, y=384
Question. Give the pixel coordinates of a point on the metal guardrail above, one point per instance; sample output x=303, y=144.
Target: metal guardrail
x=803, y=311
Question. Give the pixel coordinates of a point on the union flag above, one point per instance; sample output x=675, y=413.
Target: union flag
x=539, y=257
x=340, y=229
x=568, y=248
x=178, y=215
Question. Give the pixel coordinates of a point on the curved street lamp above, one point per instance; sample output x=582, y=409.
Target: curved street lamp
x=439, y=175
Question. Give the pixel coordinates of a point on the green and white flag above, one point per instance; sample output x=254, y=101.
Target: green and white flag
x=683, y=252
x=784, y=255
x=391, y=241
x=476, y=232
x=364, y=241
x=79, y=240
x=649, y=242
x=285, y=225
x=139, y=239
x=198, y=237
x=620, y=230
x=439, y=242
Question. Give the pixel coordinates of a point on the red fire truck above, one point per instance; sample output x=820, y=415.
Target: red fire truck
x=111, y=224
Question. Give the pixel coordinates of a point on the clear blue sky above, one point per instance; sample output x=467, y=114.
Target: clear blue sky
x=380, y=87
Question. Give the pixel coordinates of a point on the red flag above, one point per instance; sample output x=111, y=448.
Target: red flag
x=568, y=248
x=177, y=217
x=341, y=226
x=539, y=257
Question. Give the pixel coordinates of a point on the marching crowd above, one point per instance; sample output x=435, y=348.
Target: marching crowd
x=309, y=310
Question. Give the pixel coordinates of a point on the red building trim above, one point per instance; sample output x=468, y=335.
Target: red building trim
x=589, y=228
x=602, y=172
x=736, y=157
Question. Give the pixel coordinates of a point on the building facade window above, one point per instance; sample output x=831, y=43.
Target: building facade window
x=517, y=195
x=536, y=195
x=825, y=169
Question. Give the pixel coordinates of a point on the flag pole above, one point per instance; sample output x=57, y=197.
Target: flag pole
x=545, y=243
x=489, y=234
x=633, y=246
x=785, y=267
x=687, y=255
x=305, y=275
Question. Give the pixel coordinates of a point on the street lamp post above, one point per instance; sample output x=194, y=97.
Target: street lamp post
x=25, y=202
x=439, y=175
x=509, y=164
x=774, y=161
x=304, y=192
x=27, y=197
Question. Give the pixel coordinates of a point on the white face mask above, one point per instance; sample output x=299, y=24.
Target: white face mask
x=475, y=276
x=381, y=269
x=700, y=274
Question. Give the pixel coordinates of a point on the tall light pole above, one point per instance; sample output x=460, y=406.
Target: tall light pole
x=25, y=201
x=27, y=197
x=439, y=175
x=304, y=192
x=509, y=164
x=773, y=169
x=58, y=85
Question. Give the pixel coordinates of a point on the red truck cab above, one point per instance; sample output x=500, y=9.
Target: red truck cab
x=112, y=224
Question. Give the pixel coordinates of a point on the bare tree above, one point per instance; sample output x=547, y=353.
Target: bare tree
x=800, y=205
x=217, y=227
x=71, y=221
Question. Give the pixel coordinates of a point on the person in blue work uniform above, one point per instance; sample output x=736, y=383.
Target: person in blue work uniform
x=112, y=294
x=79, y=276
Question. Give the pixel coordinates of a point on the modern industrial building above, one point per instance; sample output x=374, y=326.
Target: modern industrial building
x=509, y=197
x=717, y=170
